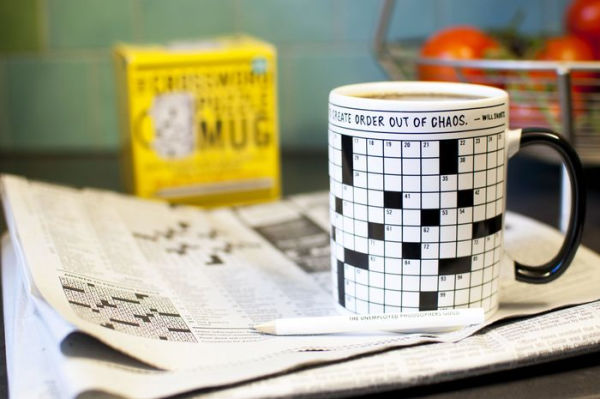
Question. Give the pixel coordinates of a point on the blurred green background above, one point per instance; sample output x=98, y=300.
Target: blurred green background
x=57, y=91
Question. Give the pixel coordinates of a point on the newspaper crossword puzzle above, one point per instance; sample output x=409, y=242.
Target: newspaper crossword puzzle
x=134, y=313
x=416, y=225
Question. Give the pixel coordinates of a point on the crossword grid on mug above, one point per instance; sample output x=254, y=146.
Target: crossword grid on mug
x=416, y=224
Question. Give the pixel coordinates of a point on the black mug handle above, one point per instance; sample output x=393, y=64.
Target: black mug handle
x=557, y=266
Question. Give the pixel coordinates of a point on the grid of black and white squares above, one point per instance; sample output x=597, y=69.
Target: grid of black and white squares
x=416, y=225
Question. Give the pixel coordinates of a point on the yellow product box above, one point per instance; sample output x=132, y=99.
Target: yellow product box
x=199, y=121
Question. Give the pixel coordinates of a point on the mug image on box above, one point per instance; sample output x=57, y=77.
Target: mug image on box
x=172, y=116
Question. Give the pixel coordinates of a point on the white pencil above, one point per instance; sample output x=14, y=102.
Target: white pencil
x=427, y=322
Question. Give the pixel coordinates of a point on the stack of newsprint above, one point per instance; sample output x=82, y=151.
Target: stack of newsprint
x=109, y=295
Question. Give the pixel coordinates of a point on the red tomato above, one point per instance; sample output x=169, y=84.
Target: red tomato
x=531, y=115
x=540, y=113
x=533, y=98
x=537, y=109
x=583, y=20
x=566, y=48
x=458, y=42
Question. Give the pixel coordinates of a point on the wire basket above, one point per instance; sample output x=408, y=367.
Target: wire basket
x=564, y=96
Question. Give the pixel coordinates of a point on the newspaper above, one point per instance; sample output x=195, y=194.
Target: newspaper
x=221, y=271
x=37, y=367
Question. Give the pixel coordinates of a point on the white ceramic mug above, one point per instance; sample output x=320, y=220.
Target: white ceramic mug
x=418, y=186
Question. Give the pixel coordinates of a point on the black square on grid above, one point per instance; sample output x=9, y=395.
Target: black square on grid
x=495, y=224
x=464, y=198
x=448, y=157
x=430, y=217
x=347, y=160
x=341, y=283
x=486, y=227
x=356, y=259
x=392, y=199
x=333, y=233
x=480, y=229
x=411, y=250
x=428, y=300
x=339, y=205
x=454, y=265
x=376, y=231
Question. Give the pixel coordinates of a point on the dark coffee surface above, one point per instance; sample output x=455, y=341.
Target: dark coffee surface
x=419, y=96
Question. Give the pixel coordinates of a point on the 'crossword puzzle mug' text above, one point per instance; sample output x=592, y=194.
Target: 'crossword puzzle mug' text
x=418, y=186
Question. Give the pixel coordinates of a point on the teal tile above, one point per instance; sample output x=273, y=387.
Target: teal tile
x=358, y=19
x=19, y=26
x=554, y=12
x=493, y=14
x=413, y=19
x=288, y=21
x=305, y=92
x=4, y=127
x=106, y=105
x=89, y=23
x=183, y=19
x=50, y=104
x=285, y=99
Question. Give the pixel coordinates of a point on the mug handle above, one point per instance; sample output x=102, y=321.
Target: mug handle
x=549, y=271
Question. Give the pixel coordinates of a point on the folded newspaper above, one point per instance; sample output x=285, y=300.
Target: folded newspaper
x=105, y=293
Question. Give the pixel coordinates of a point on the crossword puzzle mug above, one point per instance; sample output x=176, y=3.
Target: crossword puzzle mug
x=417, y=173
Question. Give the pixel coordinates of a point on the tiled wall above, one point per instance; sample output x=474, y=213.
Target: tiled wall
x=56, y=80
